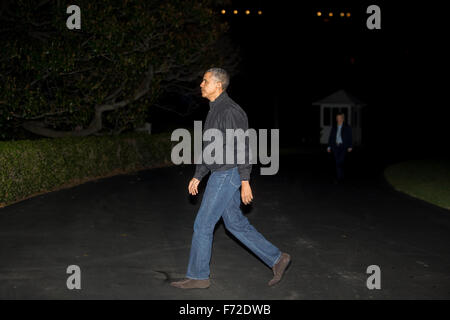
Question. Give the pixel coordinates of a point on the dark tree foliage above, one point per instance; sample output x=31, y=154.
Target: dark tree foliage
x=103, y=78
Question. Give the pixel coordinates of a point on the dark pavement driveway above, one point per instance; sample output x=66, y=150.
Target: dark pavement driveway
x=131, y=234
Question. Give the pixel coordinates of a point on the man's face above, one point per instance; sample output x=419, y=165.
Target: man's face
x=340, y=119
x=210, y=86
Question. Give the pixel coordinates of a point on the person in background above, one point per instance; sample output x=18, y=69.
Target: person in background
x=340, y=142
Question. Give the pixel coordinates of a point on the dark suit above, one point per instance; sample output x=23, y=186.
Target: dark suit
x=340, y=150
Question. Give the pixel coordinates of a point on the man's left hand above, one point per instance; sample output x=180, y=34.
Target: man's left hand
x=349, y=149
x=246, y=192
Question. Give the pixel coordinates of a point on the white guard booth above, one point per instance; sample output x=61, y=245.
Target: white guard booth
x=340, y=101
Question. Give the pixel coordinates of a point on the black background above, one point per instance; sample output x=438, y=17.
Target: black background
x=291, y=58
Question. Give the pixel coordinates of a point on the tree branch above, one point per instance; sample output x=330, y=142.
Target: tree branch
x=38, y=127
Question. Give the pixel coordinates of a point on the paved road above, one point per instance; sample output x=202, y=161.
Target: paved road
x=131, y=235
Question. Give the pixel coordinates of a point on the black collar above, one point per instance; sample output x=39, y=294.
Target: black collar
x=219, y=99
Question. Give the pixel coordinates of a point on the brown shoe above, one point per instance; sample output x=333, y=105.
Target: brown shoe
x=191, y=284
x=279, y=268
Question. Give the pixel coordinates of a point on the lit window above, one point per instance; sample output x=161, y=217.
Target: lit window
x=235, y=12
x=260, y=12
x=342, y=14
x=348, y=14
x=247, y=11
x=319, y=14
x=330, y=14
x=223, y=11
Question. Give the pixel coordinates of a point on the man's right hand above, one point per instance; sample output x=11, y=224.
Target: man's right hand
x=329, y=150
x=193, y=186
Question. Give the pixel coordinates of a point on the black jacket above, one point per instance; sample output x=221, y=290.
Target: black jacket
x=346, y=135
x=224, y=114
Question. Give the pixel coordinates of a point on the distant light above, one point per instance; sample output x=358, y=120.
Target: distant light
x=330, y=14
x=223, y=11
x=260, y=12
x=247, y=11
x=319, y=14
x=348, y=14
x=342, y=14
x=235, y=12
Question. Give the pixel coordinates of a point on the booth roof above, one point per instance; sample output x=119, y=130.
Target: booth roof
x=339, y=97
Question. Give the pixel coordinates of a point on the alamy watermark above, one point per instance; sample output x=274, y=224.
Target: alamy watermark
x=374, y=280
x=74, y=280
x=249, y=145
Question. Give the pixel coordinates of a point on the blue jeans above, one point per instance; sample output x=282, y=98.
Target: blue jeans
x=222, y=198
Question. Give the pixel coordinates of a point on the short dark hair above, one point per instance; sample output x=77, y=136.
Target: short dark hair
x=340, y=114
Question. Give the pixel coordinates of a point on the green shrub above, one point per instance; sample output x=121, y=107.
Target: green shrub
x=31, y=167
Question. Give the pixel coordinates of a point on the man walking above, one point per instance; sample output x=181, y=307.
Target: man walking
x=222, y=197
x=340, y=142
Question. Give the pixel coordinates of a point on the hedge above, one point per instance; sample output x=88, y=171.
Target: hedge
x=30, y=167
